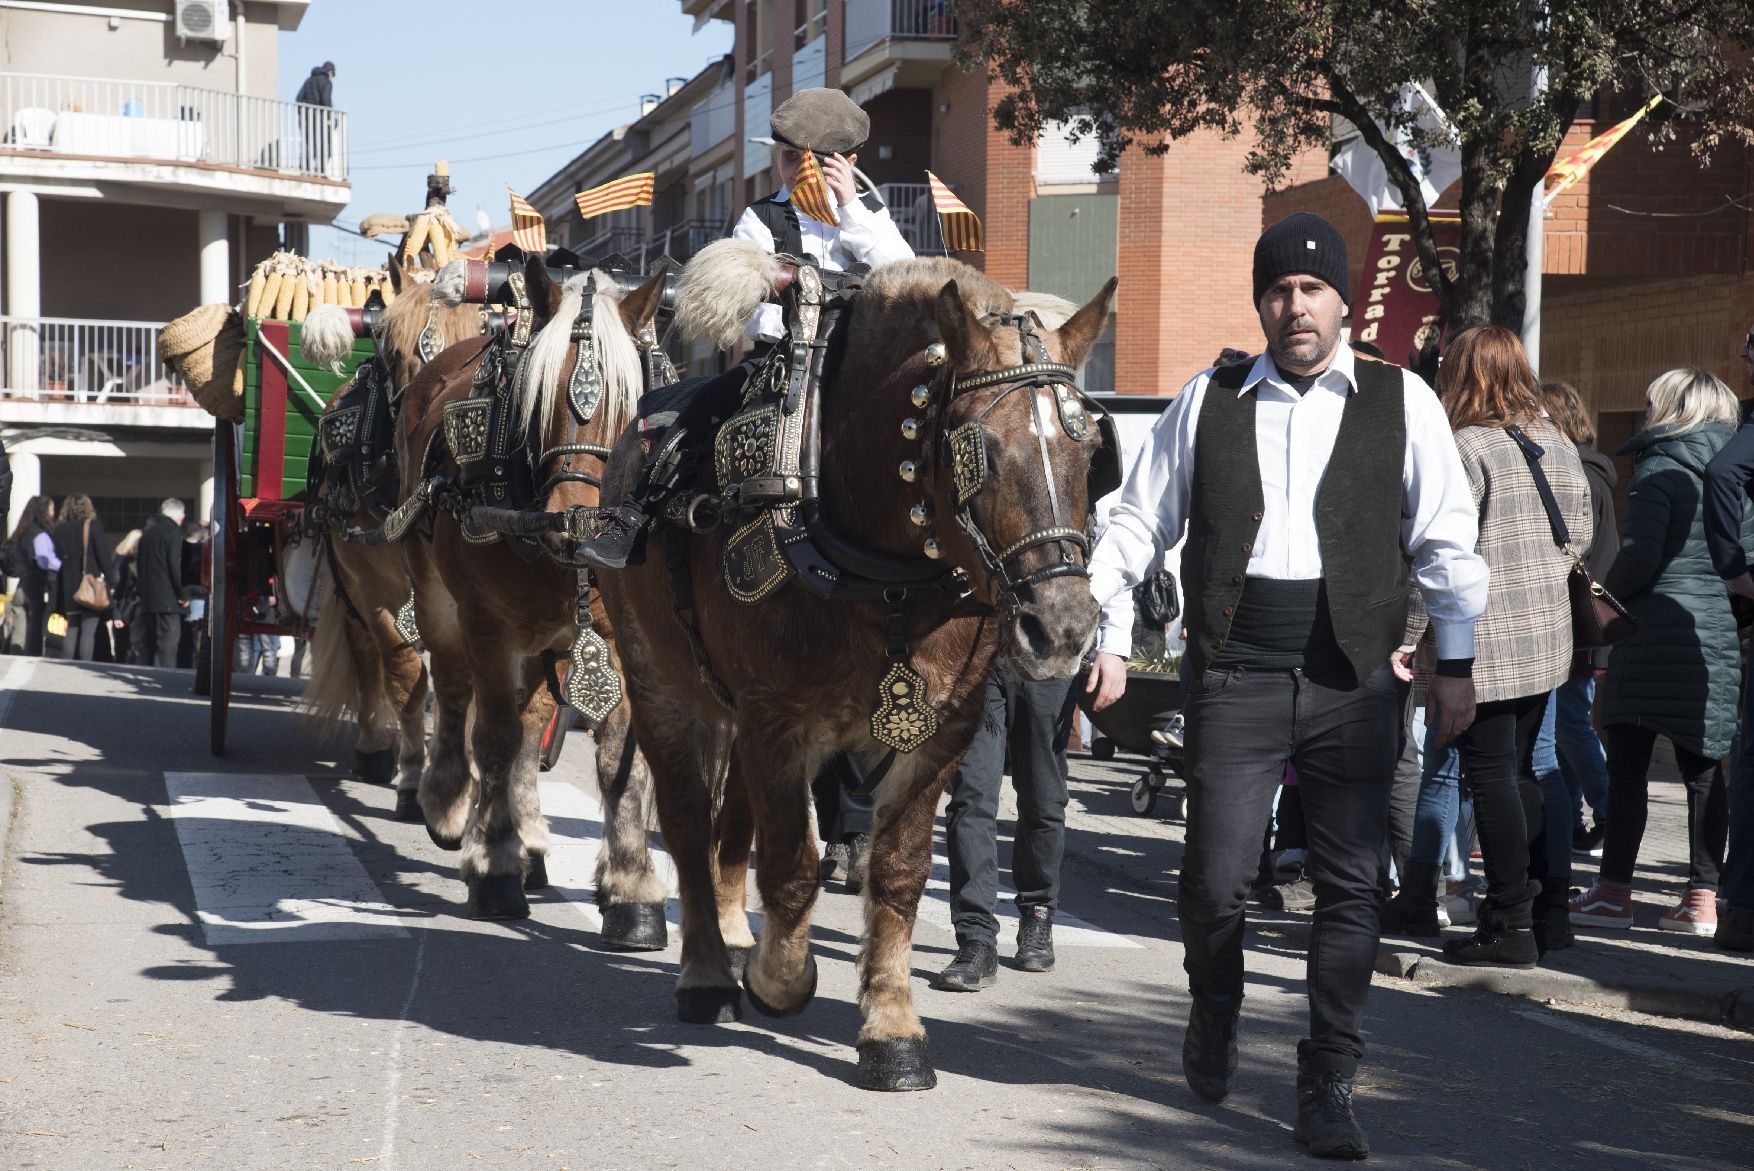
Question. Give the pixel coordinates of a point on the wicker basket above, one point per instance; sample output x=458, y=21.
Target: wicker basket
x=206, y=345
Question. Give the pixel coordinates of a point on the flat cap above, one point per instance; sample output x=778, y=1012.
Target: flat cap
x=823, y=120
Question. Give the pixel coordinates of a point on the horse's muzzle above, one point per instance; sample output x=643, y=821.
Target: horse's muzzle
x=1051, y=627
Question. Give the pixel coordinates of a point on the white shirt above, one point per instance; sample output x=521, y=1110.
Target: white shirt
x=864, y=237
x=1294, y=435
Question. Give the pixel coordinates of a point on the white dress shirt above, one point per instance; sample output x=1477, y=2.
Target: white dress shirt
x=864, y=237
x=1294, y=435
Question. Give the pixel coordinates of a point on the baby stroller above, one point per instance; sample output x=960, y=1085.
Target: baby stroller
x=1152, y=697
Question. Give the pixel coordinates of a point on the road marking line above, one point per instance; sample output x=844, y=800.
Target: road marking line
x=270, y=864
x=1602, y=1037
x=387, y=1152
x=15, y=681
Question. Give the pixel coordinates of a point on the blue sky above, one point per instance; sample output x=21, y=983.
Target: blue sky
x=507, y=92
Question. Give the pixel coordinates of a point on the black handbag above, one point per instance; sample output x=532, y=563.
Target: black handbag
x=1597, y=617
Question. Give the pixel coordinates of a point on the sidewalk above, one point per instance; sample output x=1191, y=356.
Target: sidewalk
x=1643, y=970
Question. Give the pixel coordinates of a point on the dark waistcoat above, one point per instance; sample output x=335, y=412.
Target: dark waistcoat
x=1358, y=517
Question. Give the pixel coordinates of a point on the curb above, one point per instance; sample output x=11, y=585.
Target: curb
x=1734, y=1008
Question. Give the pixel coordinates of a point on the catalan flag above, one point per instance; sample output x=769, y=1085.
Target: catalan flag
x=617, y=195
x=1569, y=170
x=528, y=230
x=960, y=226
x=810, y=192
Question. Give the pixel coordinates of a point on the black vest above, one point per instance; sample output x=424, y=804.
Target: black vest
x=1358, y=516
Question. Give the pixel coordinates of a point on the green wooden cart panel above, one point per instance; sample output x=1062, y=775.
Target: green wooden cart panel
x=302, y=411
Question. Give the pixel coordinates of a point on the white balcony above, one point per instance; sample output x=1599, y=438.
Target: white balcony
x=713, y=120
x=910, y=206
x=96, y=130
x=79, y=372
x=810, y=64
x=757, y=109
x=871, y=23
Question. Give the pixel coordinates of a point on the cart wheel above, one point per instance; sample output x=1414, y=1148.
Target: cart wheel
x=221, y=609
x=554, y=736
x=1102, y=748
x=204, y=668
x=1144, y=797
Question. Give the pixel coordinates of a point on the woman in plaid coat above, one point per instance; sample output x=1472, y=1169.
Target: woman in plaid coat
x=1522, y=644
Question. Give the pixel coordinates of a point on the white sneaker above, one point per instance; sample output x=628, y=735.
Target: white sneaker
x=1458, y=909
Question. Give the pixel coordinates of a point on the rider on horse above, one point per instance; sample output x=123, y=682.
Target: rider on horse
x=829, y=123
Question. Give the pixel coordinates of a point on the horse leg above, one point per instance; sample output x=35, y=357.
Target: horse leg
x=892, y=1042
x=374, y=746
x=630, y=893
x=445, y=797
x=523, y=779
x=493, y=849
x=735, y=831
x=407, y=679
x=781, y=976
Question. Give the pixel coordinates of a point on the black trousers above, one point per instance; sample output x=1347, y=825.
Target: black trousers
x=840, y=813
x=1708, y=807
x=1035, y=721
x=1497, y=754
x=36, y=621
x=80, y=641
x=1243, y=726
x=159, y=636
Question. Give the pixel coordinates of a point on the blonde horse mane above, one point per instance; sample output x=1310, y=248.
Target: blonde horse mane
x=543, y=373
x=405, y=320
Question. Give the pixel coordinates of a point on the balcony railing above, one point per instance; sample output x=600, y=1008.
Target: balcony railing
x=870, y=21
x=625, y=240
x=170, y=123
x=68, y=360
x=910, y=206
x=681, y=241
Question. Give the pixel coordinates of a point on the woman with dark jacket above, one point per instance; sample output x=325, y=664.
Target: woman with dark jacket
x=36, y=549
x=1680, y=675
x=1522, y=647
x=1581, y=756
x=125, y=599
x=79, y=542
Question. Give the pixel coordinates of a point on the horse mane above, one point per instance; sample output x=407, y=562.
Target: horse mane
x=544, y=370
x=405, y=320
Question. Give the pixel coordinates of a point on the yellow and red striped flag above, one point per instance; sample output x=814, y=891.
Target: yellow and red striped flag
x=960, y=226
x=528, y=230
x=810, y=192
x=617, y=195
x=1569, y=170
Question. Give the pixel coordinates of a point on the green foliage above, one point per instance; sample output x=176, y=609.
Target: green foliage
x=1146, y=72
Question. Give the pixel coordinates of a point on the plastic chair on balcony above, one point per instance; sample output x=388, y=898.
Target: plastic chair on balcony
x=99, y=374
x=32, y=128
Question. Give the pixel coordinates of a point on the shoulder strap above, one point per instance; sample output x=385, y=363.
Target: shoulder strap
x=84, y=545
x=781, y=219
x=1533, y=452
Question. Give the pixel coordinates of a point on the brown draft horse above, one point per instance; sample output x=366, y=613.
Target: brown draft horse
x=802, y=671
x=361, y=660
x=487, y=615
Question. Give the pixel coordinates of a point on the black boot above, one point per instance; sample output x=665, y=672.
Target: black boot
x=1035, y=939
x=1413, y=912
x=1503, y=936
x=976, y=966
x=619, y=528
x=1209, y=1053
x=1551, y=919
x=1324, y=1116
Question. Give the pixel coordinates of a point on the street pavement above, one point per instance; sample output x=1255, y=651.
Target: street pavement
x=247, y=963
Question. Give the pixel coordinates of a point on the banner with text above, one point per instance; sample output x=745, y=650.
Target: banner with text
x=1397, y=309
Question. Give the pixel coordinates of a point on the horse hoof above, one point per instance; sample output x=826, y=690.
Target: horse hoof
x=739, y=961
x=408, y=806
x=901, y=1063
x=497, y=896
x=766, y=1009
x=375, y=768
x=635, y=927
x=709, y=1006
x=438, y=839
x=537, y=878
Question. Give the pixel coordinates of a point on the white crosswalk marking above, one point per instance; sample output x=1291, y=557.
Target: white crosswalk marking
x=270, y=864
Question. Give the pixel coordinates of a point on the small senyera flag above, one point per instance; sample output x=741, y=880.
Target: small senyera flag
x=960, y=226
x=528, y=230
x=617, y=195
x=1574, y=167
x=810, y=192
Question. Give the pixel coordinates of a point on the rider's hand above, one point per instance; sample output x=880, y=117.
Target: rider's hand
x=1107, y=681
x=837, y=172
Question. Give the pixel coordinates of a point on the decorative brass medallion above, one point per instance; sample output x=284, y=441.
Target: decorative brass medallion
x=593, y=689
x=1074, y=419
x=747, y=445
x=584, y=391
x=968, y=461
x=338, y=429
x=754, y=566
x=405, y=626
x=466, y=429
x=904, y=718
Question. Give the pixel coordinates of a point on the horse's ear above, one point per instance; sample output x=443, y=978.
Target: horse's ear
x=544, y=294
x=1081, y=330
x=970, y=344
x=640, y=306
x=399, y=279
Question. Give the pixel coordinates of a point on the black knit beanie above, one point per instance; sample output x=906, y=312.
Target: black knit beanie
x=1302, y=243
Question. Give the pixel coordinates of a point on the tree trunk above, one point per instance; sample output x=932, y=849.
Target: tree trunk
x=1510, y=274
x=1474, y=269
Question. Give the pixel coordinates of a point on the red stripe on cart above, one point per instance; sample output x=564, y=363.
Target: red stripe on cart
x=271, y=416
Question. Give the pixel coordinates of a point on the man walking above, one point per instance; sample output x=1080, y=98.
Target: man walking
x=161, y=585
x=1308, y=481
x=1034, y=721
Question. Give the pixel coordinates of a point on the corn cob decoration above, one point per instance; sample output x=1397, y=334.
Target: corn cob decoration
x=286, y=287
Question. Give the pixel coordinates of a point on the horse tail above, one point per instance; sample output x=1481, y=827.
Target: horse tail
x=721, y=288
x=327, y=337
x=333, y=691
